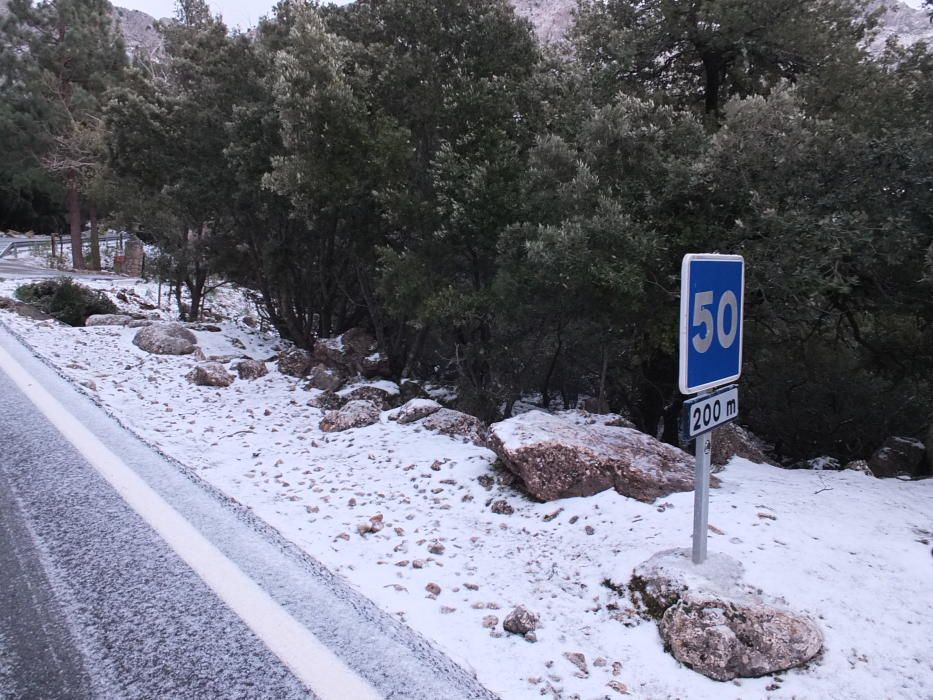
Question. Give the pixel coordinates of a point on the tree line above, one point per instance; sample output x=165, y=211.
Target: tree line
x=508, y=216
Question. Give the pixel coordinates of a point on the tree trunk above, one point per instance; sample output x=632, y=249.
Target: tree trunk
x=415, y=351
x=546, y=384
x=712, y=71
x=601, y=401
x=655, y=389
x=74, y=222
x=182, y=312
x=95, y=239
x=196, y=291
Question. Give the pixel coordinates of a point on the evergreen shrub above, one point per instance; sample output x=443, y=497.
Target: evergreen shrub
x=65, y=300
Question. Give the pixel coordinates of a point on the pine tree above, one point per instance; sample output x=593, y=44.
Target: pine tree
x=168, y=140
x=700, y=52
x=63, y=56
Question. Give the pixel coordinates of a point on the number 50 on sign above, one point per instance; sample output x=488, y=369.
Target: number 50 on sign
x=711, y=302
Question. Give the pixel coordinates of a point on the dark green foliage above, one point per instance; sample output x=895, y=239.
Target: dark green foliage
x=66, y=300
x=699, y=53
x=513, y=221
x=57, y=60
x=167, y=142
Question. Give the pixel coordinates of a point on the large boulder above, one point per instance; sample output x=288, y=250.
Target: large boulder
x=898, y=455
x=108, y=320
x=166, y=339
x=210, y=374
x=325, y=378
x=326, y=401
x=354, y=352
x=713, y=622
x=251, y=369
x=520, y=621
x=355, y=414
x=384, y=394
x=295, y=362
x=558, y=458
x=724, y=639
x=456, y=424
x=416, y=409
x=732, y=440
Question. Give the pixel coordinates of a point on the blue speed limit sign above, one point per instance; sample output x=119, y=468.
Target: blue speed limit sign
x=711, y=297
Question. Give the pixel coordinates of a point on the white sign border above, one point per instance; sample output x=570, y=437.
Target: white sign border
x=685, y=324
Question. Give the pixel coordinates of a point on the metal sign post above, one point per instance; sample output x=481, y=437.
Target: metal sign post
x=701, y=497
x=711, y=304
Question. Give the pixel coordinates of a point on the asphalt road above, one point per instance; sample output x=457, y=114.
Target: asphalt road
x=10, y=268
x=93, y=603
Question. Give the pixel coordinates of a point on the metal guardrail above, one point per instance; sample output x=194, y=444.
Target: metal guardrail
x=9, y=246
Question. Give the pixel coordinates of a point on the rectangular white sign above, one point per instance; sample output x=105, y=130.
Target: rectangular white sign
x=702, y=414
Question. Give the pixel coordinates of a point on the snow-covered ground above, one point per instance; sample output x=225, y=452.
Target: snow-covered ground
x=852, y=551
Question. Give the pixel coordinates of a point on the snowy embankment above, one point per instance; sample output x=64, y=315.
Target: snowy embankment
x=851, y=551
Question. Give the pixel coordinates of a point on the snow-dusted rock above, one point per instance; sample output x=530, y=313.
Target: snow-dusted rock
x=325, y=378
x=330, y=352
x=355, y=414
x=717, y=625
x=520, y=621
x=723, y=639
x=108, y=320
x=166, y=339
x=456, y=424
x=557, y=458
x=294, y=362
x=251, y=369
x=384, y=394
x=416, y=409
x=210, y=374
x=326, y=401
x=820, y=464
x=732, y=440
x=668, y=576
x=139, y=323
x=859, y=465
x=375, y=365
x=354, y=352
x=898, y=455
x=578, y=659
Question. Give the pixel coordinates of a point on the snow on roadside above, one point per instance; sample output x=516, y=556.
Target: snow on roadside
x=852, y=551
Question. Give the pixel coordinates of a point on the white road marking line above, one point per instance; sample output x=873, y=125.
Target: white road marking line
x=314, y=664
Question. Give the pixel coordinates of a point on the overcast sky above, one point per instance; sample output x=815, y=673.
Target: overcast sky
x=236, y=13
